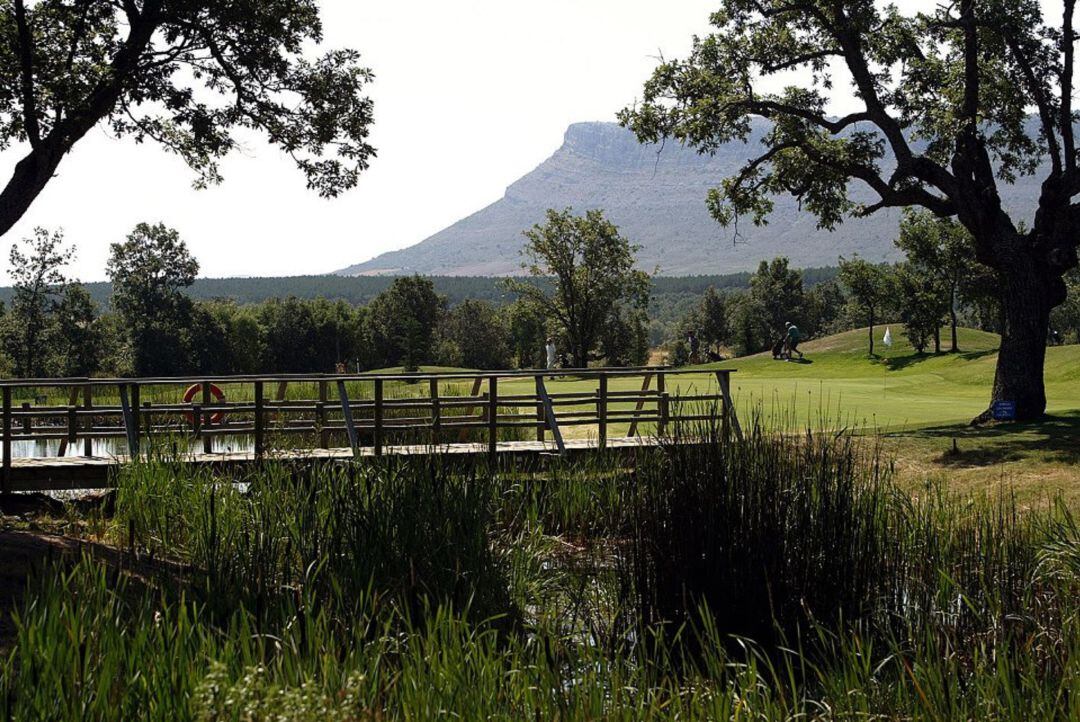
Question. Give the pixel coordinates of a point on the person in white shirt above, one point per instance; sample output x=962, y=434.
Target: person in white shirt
x=551, y=353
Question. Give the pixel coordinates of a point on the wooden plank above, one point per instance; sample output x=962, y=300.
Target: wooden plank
x=549, y=412
x=640, y=405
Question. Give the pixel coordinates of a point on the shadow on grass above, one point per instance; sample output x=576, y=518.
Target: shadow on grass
x=898, y=363
x=1053, y=438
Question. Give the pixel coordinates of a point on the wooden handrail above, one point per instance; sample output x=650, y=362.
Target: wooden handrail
x=371, y=376
x=375, y=416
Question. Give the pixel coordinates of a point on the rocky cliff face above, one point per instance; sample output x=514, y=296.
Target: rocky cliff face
x=656, y=195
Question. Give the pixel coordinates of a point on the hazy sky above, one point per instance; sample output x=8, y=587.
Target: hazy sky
x=469, y=95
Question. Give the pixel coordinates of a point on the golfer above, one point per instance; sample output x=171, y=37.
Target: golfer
x=552, y=354
x=793, y=337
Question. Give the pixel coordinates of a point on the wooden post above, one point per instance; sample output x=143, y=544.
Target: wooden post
x=5, y=482
x=196, y=421
x=136, y=414
x=436, y=411
x=378, y=417
x=493, y=415
x=540, y=419
x=724, y=379
x=260, y=421
x=73, y=399
x=88, y=424
x=346, y=413
x=131, y=425
x=601, y=411
x=72, y=426
x=661, y=404
x=148, y=419
x=208, y=421
x=320, y=417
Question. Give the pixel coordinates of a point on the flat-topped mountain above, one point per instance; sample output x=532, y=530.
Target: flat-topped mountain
x=656, y=195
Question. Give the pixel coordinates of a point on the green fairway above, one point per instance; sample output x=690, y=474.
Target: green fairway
x=899, y=388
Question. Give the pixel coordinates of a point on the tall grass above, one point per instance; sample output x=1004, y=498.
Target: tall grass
x=773, y=577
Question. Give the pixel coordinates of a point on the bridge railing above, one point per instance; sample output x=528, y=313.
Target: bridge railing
x=121, y=416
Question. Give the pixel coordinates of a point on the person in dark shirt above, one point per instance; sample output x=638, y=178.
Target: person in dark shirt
x=793, y=337
x=695, y=347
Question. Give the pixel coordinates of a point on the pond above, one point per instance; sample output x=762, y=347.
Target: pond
x=50, y=448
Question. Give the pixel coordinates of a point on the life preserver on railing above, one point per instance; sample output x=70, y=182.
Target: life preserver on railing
x=218, y=416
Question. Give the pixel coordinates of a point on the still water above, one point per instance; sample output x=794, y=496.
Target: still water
x=50, y=448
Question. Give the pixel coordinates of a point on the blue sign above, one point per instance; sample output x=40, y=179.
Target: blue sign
x=1003, y=410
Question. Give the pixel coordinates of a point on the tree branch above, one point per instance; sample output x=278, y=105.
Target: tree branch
x=770, y=108
x=1042, y=102
x=26, y=65
x=1068, y=39
x=921, y=167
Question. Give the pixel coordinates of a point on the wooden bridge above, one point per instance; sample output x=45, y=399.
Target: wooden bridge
x=73, y=433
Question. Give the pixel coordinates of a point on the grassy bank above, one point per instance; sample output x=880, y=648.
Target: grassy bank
x=771, y=578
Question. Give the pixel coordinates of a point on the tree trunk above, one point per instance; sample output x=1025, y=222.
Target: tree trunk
x=31, y=175
x=952, y=321
x=937, y=340
x=1025, y=311
x=871, y=333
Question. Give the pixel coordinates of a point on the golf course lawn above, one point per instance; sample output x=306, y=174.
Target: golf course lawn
x=920, y=405
x=917, y=404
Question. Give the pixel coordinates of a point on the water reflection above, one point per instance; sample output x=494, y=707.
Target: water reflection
x=50, y=448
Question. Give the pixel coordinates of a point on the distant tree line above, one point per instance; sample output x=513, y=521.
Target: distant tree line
x=936, y=289
x=152, y=326
x=582, y=291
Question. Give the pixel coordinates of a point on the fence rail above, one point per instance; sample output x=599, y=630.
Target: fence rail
x=370, y=411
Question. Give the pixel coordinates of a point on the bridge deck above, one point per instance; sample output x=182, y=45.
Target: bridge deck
x=95, y=472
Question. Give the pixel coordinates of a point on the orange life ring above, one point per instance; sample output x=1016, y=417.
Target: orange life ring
x=217, y=416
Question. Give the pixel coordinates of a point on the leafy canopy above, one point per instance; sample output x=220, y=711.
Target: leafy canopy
x=192, y=76
x=593, y=268
x=943, y=91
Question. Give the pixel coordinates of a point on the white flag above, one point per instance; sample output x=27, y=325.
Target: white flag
x=887, y=339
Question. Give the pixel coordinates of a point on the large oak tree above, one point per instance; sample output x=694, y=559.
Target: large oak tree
x=944, y=98
x=187, y=74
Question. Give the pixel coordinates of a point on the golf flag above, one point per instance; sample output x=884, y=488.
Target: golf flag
x=887, y=339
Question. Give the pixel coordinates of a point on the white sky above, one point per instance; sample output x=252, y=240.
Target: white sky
x=469, y=95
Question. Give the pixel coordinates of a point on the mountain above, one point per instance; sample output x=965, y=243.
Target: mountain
x=656, y=195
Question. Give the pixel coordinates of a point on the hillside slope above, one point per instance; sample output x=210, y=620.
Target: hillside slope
x=656, y=195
